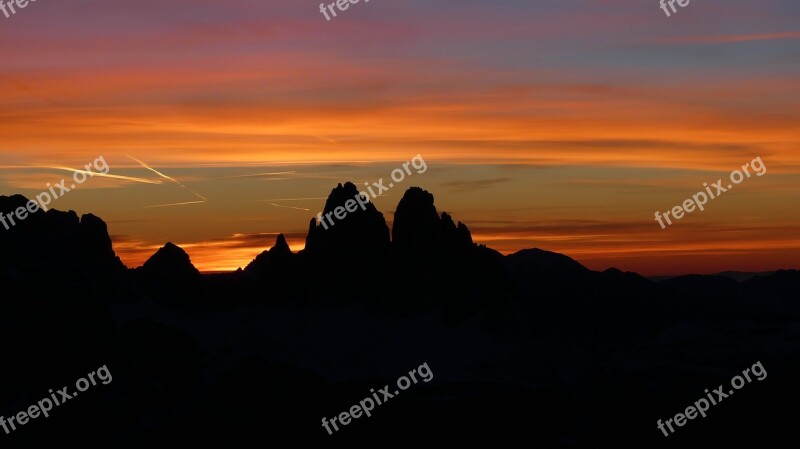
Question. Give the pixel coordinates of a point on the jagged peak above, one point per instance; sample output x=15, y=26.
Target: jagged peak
x=281, y=248
x=419, y=230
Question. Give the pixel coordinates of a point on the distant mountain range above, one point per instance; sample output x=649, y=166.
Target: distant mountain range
x=423, y=244
x=739, y=276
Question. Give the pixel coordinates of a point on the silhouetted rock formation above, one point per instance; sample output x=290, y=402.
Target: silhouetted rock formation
x=168, y=277
x=598, y=350
x=98, y=249
x=418, y=231
x=416, y=228
x=441, y=261
x=351, y=247
x=277, y=272
x=52, y=264
x=271, y=260
x=281, y=248
x=55, y=244
x=360, y=234
x=454, y=238
x=170, y=262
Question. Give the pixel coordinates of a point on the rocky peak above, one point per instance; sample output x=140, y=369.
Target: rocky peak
x=170, y=261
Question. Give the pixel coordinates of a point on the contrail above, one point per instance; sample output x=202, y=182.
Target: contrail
x=104, y=175
x=256, y=175
x=167, y=177
x=290, y=207
x=292, y=199
x=173, y=204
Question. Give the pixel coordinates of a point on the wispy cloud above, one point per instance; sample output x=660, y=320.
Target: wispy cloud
x=256, y=175
x=469, y=186
x=731, y=38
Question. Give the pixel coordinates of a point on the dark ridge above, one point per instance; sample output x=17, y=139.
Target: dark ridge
x=271, y=259
x=55, y=242
x=208, y=360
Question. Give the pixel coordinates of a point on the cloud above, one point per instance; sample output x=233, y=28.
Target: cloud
x=470, y=186
x=730, y=39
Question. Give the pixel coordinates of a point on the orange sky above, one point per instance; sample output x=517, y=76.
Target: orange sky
x=545, y=125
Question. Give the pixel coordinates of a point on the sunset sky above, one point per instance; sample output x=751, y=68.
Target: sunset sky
x=562, y=125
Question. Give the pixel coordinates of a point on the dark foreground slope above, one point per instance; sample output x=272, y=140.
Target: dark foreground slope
x=531, y=347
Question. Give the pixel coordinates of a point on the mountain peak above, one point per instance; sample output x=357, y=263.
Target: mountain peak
x=537, y=260
x=418, y=229
x=43, y=241
x=281, y=248
x=271, y=260
x=171, y=261
x=359, y=234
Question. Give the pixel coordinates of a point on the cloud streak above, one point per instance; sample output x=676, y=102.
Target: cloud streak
x=730, y=39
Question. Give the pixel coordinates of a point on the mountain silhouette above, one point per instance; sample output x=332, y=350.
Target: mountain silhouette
x=169, y=277
x=170, y=262
x=530, y=346
x=419, y=232
x=362, y=233
x=55, y=242
x=271, y=260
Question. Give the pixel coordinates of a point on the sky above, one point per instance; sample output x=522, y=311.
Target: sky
x=561, y=125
